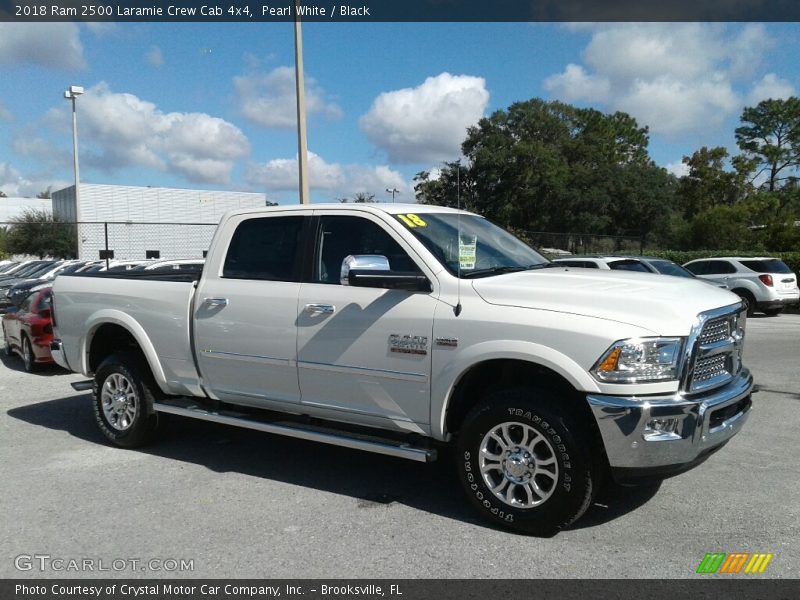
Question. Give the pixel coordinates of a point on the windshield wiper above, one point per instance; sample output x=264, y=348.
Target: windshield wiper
x=491, y=271
x=499, y=270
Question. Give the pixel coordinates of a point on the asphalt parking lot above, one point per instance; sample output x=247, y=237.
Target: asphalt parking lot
x=244, y=504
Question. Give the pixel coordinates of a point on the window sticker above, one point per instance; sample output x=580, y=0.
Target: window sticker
x=467, y=250
x=411, y=220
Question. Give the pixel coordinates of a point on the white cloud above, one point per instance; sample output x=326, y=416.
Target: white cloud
x=281, y=174
x=675, y=78
x=427, y=123
x=54, y=45
x=576, y=84
x=270, y=99
x=121, y=130
x=770, y=87
x=677, y=168
x=154, y=57
x=13, y=184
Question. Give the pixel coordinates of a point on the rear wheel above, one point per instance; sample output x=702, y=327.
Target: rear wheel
x=124, y=392
x=525, y=463
x=6, y=344
x=28, y=357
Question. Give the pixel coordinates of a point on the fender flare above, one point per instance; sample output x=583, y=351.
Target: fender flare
x=121, y=319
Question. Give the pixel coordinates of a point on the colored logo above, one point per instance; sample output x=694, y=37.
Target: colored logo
x=737, y=562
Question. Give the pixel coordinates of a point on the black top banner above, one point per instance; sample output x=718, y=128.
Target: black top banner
x=402, y=10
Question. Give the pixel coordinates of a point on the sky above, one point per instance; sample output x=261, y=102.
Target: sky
x=212, y=105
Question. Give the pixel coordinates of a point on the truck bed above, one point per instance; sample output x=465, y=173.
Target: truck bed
x=154, y=307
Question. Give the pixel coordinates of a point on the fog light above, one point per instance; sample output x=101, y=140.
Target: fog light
x=661, y=429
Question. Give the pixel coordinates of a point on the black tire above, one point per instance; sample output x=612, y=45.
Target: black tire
x=749, y=301
x=132, y=422
x=6, y=346
x=773, y=312
x=570, y=484
x=28, y=358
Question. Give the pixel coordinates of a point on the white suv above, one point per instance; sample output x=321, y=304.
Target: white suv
x=765, y=284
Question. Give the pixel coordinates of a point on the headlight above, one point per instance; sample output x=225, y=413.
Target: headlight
x=640, y=360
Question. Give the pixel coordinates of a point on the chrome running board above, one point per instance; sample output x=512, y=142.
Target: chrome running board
x=303, y=431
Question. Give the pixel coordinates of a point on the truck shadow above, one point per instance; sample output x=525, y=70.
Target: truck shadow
x=373, y=481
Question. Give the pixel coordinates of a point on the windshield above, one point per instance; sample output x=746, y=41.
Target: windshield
x=481, y=249
x=666, y=267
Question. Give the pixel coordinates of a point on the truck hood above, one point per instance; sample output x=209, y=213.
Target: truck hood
x=665, y=305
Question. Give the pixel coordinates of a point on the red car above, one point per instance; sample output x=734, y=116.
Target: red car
x=29, y=329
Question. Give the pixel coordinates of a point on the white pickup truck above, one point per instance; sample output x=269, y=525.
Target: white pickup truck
x=400, y=328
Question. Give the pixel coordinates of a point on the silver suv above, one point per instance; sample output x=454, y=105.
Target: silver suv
x=764, y=283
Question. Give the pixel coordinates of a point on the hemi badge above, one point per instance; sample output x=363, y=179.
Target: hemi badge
x=448, y=342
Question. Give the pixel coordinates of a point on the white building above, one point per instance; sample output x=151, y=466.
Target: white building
x=11, y=208
x=147, y=222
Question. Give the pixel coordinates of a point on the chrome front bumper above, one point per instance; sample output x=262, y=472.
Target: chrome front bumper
x=701, y=423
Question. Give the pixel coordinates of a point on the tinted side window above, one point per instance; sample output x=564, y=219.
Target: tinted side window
x=719, y=267
x=772, y=265
x=342, y=236
x=583, y=264
x=698, y=268
x=265, y=248
x=628, y=265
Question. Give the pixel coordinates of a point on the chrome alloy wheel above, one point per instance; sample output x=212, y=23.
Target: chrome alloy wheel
x=119, y=400
x=518, y=465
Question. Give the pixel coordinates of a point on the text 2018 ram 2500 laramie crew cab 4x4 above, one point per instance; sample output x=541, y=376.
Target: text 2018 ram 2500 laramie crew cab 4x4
x=396, y=328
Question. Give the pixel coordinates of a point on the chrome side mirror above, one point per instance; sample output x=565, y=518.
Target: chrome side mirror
x=362, y=262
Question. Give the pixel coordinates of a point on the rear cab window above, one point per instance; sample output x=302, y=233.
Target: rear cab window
x=266, y=248
x=628, y=265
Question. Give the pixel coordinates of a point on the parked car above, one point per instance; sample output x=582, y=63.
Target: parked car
x=183, y=265
x=44, y=272
x=763, y=283
x=644, y=264
x=23, y=269
x=28, y=329
x=17, y=292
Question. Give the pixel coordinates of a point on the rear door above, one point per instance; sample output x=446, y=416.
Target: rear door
x=245, y=310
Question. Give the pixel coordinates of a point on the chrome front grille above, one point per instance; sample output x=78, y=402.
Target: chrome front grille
x=715, y=331
x=717, y=350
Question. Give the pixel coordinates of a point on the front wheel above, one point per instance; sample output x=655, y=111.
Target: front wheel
x=123, y=395
x=525, y=462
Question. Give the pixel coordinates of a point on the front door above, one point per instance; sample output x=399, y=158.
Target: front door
x=364, y=351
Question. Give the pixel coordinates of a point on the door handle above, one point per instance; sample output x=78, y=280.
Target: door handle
x=216, y=301
x=320, y=309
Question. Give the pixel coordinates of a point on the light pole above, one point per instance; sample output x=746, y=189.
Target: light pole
x=71, y=94
x=392, y=191
x=302, y=144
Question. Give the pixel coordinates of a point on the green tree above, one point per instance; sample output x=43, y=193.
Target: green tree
x=45, y=194
x=38, y=233
x=770, y=136
x=709, y=184
x=719, y=228
x=554, y=167
x=3, y=194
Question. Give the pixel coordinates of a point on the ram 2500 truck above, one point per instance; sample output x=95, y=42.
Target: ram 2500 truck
x=396, y=329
